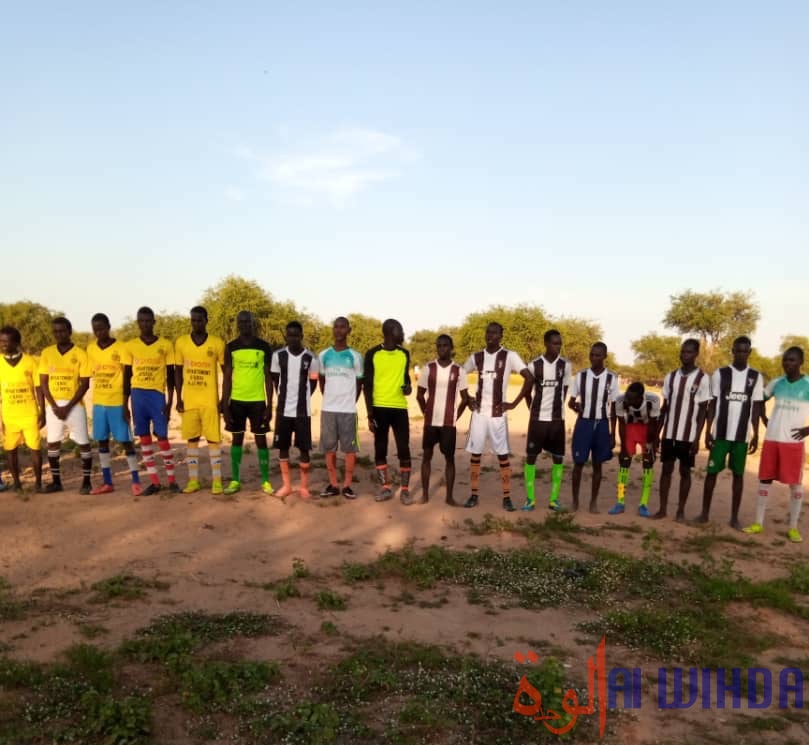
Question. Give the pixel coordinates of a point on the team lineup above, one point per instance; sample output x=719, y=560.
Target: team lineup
x=136, y=383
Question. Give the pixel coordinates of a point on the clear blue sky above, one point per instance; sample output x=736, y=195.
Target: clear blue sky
x=420, y=162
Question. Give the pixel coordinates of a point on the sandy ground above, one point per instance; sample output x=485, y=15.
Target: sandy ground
x=213, y=551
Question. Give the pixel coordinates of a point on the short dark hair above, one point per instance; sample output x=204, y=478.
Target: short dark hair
x=295, y=325
x=14, y=333
x=388, y=324
x=199, y=309
x=101, y=317
x=600, y=344
x=692, y=343
x=447, y=337
x=794, y=350
x=549, y=334
x=145, y=310
x=636, y=387
x=342, y=318
x=495, y=323
x=742, y=340
x=62, y=321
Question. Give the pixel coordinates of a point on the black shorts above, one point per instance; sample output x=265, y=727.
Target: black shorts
x=671, y=450
x=286, y=426
x=444, y=437
x=254, y=412
x=547, y=436
x=386, y=420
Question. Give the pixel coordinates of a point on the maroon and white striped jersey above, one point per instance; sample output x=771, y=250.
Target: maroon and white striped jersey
x=443, y=386
x=493, y=372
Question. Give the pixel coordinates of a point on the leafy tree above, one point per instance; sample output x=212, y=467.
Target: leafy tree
x=578, y=335
x=655, y=356
x=524, y=326
x=422, y=345
x=366, y=332
x=715, y=317
x=170, y=325
x=794, y=340
x=33, y=321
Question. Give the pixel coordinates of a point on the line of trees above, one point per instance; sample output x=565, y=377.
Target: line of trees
x=714, y=317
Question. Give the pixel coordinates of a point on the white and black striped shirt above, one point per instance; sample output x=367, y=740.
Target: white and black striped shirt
x=683, y=395
x=551, y=383
x=294, y=371
x=595, y=392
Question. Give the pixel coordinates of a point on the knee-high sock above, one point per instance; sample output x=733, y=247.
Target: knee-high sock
x=505, y=476
x=331, y=467
x=474, y=474
x=761, y=502
x=236, y=461
x=623, y=480
x=215, y=454
x=192, y=461
x=264, y=463
x=105, y=460
x=304, y=474
x=167, y=454
x=405, y=475
x=530, y=473
x=132, y=464
x=382, y=476
x=86, y=466
x=556, y=481
x=147, y=449
x=53, y=462
x=351, y=463
x=646, y=491
x=795, y=503
x=285, y=473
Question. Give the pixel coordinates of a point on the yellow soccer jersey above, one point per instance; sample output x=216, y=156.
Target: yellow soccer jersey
x=107, y=371
x=200, y=370
x=64, y=370
x=149, y=363
x=17, y=384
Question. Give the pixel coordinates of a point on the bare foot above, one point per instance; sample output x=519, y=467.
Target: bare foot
x=702, y=519
x=680, y=517
x=735, y=524
x=284, y=491
x=575, y=506
x=659, y=515
x=594, y=508
x=451, y=502
x=304, y=493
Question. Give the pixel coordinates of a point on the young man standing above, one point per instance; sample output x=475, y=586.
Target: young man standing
x=546, y=429
x=784, y=453
x=107, y=358
x=198, y=356
x=340, y=385
x=591, y=397
x=387, y=384
x=440, y=384
x=493, y=365
x=294, y=371
x=23, y=405
x=737, y=404
x=149, y=372
x=637, y=412
x=686, y=393
x=247, y=396
x=64, y=375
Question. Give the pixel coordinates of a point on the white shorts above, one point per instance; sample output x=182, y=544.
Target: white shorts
x=481, y=428
x=75, y=424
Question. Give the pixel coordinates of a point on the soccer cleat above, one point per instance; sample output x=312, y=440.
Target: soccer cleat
x=384, y=495
x=266, y=487
x=137, y=490
x=151, y=489
x=643, y=511
x=472, y=501
x=233, y=487
x=508, y=505
x=617, y=509
x=528, y=506
x=753, y=529
x=54, y=487
x=794, y=535
x=348, y=493
x=216, y=486
x=191, y=487
x=555, y=506
x=86, y=488
x=103, y=489
x=174, y=487
x=330, y=491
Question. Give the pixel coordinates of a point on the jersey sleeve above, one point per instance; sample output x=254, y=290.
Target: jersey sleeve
x=220, y=352
x=358, y=366
x=169, y=347
x=463, y=382
x=574, y=387
x=424, y=375
x=620, y=409
x=768, y=390
x=314, y=367
x=275, y=365
x=516, y=362
x=567, y=381
x=470, y=366
x=758, y=389
x=126, y=354
x=704, y=391
x=178, y=352
x=716, y=384
x=84, y=364
x=666, y=386
x=655, y=399
x=42, y=368
x=615, y=389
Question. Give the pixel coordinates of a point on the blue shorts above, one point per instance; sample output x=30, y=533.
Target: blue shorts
x=147, y=409
x=591, y=436
x=108, y=421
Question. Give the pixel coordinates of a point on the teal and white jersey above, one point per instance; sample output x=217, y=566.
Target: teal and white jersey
x=341, y=371
x=791, y=407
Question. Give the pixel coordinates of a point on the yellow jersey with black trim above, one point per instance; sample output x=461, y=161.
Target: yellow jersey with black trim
x=201, y=365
